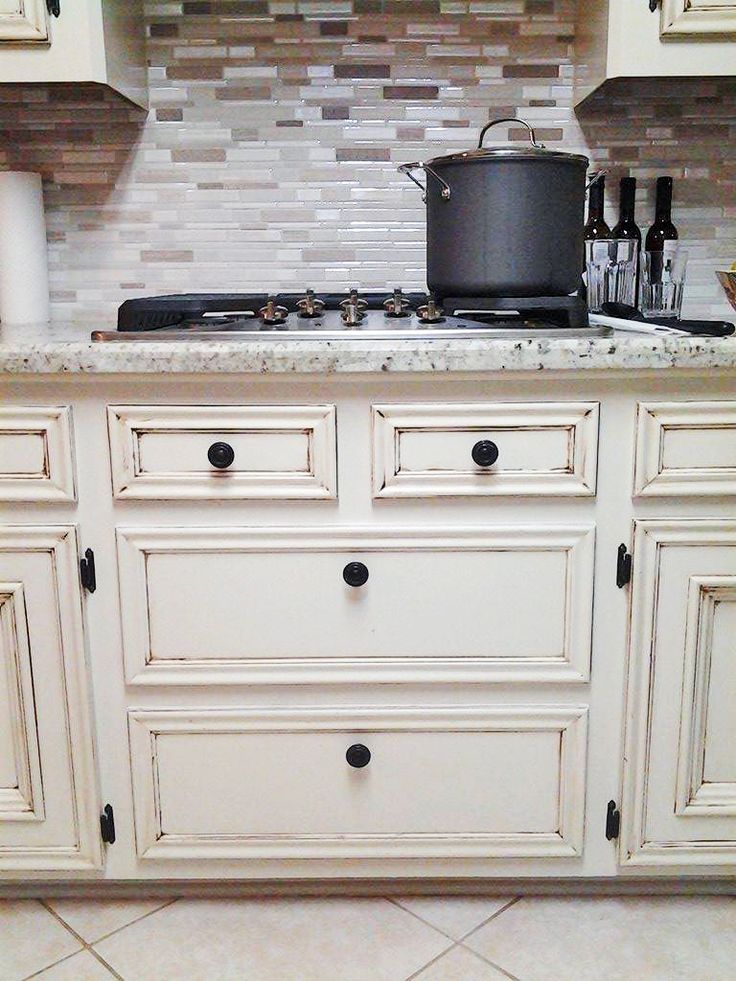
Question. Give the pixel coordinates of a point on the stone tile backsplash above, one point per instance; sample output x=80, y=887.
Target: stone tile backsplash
x=268, y=158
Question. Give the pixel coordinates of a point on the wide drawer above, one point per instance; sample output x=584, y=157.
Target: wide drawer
x=233, y=604
x=478, y=449
x=243, y=784
x=685, y=449
x=36, y=454
x=164, y=452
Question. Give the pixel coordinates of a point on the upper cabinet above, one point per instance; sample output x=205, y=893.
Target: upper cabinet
x=625, y=39
x=101, y=41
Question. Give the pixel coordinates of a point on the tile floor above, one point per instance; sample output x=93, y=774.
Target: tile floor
x=426, y=939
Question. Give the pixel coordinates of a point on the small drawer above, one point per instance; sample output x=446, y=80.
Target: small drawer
x=36, y=463
x=685, y=449
x=236, y=452
x=423, y=782
x=480, y=449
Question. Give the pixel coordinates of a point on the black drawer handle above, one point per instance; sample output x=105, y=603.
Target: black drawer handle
x=358, y=755
x=485, y=453
x=221, y=455
x=355, y=574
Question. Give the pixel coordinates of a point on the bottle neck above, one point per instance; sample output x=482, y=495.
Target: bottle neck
x=663, y=208
x=595, y=200
x=628, y=199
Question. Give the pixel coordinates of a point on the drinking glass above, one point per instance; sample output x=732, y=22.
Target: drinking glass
x=663, y=282
x=611, y=265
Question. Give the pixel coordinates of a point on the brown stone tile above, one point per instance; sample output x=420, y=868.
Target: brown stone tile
x=198, y=155
x=531, y=71
x=362, y=71
x=163, y=255
x=362, y=153
x=410, y=92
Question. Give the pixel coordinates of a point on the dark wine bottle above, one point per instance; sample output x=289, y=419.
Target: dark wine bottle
x=596, y=227
x=627, y=227
x=662, y=231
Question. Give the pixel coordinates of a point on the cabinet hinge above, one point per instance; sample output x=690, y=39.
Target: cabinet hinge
x=87, y=571
x=107, y=825
x=613, y=821
x=623, y=566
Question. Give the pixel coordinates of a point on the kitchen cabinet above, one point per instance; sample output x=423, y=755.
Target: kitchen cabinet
x=48, y=788
x=98, y=41
x=624, y=39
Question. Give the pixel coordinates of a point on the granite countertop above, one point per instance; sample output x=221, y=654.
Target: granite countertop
x=66, y=348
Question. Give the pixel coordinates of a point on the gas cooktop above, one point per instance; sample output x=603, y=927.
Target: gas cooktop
x=352, y=314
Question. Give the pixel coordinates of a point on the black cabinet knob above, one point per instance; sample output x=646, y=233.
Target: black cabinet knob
x=221, y=455
x=358, y=755
x=485, y=453
x=355, y=574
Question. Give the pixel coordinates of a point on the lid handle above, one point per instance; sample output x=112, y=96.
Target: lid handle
x=510, y=119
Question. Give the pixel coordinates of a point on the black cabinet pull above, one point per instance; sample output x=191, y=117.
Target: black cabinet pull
x=221, y=455
x=355, y=574
x=358, y=755
x=485, y=453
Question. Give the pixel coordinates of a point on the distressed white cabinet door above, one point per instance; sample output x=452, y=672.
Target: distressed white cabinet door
x=698, y=17
x=679, y=803
x=24, y=21
x=48, y=799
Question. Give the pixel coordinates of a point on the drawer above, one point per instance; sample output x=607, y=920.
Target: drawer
x=163, y=451
x=685, y=449
x=36, y=462
x=272, y=605
x=247, y=784
x=479, y=449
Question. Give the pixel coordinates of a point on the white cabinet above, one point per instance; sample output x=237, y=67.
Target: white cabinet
x=24, y=21
x=624, y=39
x=698, y=17
x=48, y=797
x=101, y=41
x=679, y=804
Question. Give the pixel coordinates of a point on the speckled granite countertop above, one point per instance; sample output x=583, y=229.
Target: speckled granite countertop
x=66, y=348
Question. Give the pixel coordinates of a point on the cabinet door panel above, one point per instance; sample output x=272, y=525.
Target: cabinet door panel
x=48, y=800
x=440, y=782
x=698, y=17
x=680, y=805
x=246, y=604
x=24, y=20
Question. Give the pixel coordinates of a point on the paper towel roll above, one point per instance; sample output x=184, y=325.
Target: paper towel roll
x=24, y=274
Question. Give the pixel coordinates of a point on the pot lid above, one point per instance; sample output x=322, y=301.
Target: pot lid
x=531, y=151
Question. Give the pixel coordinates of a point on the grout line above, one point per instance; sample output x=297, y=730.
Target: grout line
x=488, y=920
x=395, y=902
x=434, y=960
x=487, y=960
x=82, y=941
x=143, y=916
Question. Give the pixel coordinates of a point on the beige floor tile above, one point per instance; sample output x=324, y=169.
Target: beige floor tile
x=274, y=940
x=454, y=915
x=460, y=965
x=657, y=939
x=30, y=939
x=93, y=918
x=80, y=967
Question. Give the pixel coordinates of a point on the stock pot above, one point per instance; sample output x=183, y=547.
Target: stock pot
x=504, y=220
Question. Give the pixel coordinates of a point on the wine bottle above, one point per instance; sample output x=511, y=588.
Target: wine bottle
x=596, y=227
x=627, y=227
x=662, y=230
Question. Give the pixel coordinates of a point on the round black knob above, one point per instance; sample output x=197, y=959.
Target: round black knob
x=355, y=574
x=221, y=455
x=358, y=755
x=485, y=453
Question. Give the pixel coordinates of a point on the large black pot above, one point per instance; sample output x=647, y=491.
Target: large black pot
x=504, y=221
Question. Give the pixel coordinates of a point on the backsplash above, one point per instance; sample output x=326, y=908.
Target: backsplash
x=268, y=158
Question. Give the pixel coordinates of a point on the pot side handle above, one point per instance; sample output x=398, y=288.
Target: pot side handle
x=407, y=169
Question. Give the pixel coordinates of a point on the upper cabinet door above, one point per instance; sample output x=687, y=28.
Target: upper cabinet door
x=679, y=804
x=698, y=17
x=24, y=21
x=48, y=797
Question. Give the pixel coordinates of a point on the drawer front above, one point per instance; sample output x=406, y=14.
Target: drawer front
x=685, y=449
x=428, y=450
x=162, y=452
x=242, y=605
x=245, y=784
x=36, y=463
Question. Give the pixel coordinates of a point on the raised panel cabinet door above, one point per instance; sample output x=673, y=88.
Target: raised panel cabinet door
x=679, y=804
x=24, y=21
x=359, y=783
x=283, y=605
x=48, y=789
x=698, y=17
x=36, y=454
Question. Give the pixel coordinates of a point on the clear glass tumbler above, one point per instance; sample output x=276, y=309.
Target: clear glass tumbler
x=611, y=265
x=663, y=282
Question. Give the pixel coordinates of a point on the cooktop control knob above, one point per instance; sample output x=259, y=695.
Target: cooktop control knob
x=485, y=453
x=221, y=455
x=430, y=313
x=310, y=306
x=396, y=305
x=353, y=309
x=272, y=313
x=358, y=755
